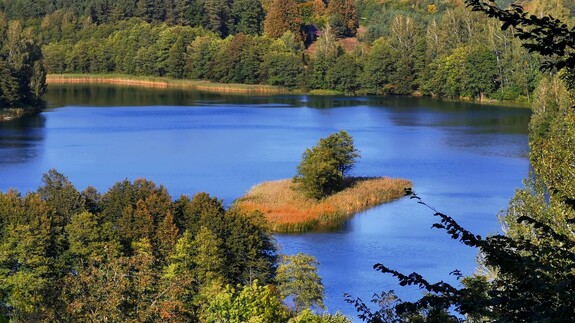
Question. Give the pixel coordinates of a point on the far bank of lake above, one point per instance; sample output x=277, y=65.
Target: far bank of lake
x=215, y=87
x=164, y=83
x=464, y=159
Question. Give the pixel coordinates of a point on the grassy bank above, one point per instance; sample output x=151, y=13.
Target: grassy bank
x=163, y=82
x=290, y=211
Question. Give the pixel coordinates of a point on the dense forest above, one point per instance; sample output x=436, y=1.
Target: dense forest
x=135, y=254
x=437, y=48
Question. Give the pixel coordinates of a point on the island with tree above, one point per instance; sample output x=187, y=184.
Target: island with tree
x=321, y=195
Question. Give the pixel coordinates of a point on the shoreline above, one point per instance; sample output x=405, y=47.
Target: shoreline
x=223, y=88
x=165, y=83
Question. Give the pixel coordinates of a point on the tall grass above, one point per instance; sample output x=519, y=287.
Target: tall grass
x=164, y=82
x=288, y=210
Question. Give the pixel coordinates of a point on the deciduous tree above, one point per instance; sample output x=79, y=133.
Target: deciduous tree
x=283, y=15
x=298, y=280
x=324, y=166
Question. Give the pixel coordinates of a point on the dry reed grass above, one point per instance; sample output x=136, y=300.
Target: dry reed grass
x=288, y=210
x=162, y=82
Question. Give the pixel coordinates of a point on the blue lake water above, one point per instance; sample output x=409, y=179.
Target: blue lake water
x=465, y=160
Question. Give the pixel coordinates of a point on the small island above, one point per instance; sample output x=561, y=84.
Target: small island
x=320, y=196
x=289, y=210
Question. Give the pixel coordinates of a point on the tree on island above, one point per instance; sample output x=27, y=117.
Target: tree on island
x=323, y=167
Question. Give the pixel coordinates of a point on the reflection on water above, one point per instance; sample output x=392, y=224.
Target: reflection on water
x=464, y=159
x=21, y=139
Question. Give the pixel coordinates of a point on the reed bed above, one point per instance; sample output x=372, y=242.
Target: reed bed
x=288, y=210
x=163, y=82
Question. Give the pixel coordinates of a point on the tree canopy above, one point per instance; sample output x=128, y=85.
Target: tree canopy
x=323, y=167
x=131, y=253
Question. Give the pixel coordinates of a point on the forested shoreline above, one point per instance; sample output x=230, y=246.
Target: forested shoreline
x=438, y=49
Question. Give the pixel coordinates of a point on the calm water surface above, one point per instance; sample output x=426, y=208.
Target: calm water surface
x=464, y=159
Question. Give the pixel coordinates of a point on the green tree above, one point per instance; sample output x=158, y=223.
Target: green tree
x=344, y=75
x=9, y=87
x=61, y=196
x=176, y=60
x=188, y=13
x=30, y=262
x=480, y=73
x=307, y=316
x=251, y=251
x=178, y=281
x=21, y=67
x=317, y=175
x=202, y=53
x=218, y=16
x=406, y=42
x=208, y=257
x=323, y=167
x=327, y=52
x=252, y=303
x=248, y=16
x=298, y=279
x=88, y=240
x=379, y=66
x=283, y=69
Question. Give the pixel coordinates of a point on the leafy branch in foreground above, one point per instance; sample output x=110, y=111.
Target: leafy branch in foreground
x=546, y=35
x=534, y=281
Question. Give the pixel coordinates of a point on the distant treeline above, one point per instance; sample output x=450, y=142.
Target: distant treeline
x=440, y=48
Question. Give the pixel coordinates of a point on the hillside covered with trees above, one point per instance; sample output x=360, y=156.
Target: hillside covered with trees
x=437, y=48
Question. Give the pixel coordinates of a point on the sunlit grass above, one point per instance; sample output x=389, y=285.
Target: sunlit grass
x=288, y=210
x=164, y=82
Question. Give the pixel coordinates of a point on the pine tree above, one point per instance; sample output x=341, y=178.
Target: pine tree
x=218, y=16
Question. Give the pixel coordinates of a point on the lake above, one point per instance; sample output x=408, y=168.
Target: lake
x=464, y=159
